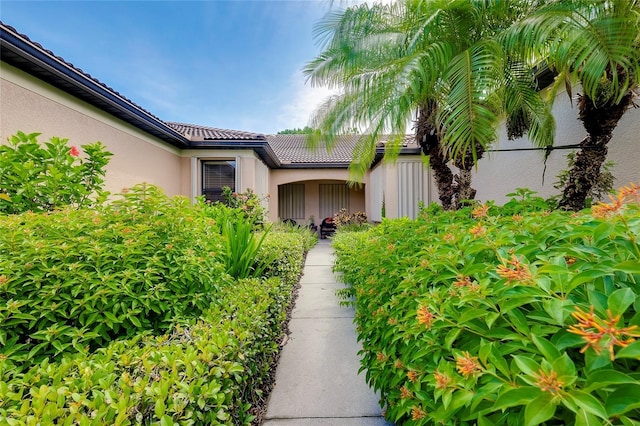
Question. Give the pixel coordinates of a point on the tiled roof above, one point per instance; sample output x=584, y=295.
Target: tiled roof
x=202, y=133
x=293, y=149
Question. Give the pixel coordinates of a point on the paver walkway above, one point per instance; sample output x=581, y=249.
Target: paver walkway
x=317, y=380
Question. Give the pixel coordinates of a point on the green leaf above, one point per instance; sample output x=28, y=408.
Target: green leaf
x=587, y=276
x=631, y=351
x=629, y=266
x=548, y=350
x=605, y=378
x=526, y=365
x=584, y=418
x=589, y=403
x=620, y=300
x=539, y=410
x=625, y=398
x=564, y=366
x=518, y=396
x=469, y=314
x=160, y=408
x=556, y=309
x=135, y=321
x=451, y=337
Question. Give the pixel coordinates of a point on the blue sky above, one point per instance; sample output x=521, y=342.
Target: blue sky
x=228, y=64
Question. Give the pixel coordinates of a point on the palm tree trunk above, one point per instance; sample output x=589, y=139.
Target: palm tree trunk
x=465, y=164
x=599, y=121
x=428, y=139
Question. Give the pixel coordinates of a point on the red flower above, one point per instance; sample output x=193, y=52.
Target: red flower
x=74, y=151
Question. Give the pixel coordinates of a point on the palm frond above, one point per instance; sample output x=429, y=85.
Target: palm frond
x=469, y=110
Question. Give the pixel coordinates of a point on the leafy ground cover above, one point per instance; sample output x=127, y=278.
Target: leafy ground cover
x=501, y=315
x=127, y=314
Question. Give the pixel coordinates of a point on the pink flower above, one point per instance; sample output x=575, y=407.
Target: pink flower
x=74, y=151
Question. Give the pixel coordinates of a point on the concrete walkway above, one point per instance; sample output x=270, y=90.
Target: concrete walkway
x=317, y=380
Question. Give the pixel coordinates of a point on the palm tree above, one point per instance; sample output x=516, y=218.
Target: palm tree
x=438, y=63
x=597, y=44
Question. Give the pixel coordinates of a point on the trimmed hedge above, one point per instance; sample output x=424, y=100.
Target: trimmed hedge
x=511, y=315
x=126, y=315
x=73, y=280
x=208, y=372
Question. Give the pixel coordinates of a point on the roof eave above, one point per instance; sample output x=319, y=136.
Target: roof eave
x=314, y=165
x=47, y=67
x=403, y=151
x=260, y=147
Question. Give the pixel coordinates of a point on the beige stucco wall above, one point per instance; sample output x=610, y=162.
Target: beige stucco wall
x=401, y=184
x=501, y=172
x=29, y=105
x=312, y=178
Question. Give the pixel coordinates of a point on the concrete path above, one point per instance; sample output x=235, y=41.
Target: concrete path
x=317, y=380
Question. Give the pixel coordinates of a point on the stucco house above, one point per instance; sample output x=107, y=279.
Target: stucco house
x=41, y=92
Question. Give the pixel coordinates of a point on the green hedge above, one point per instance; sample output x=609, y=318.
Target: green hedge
x=510, y=315
x=208, y=372
x=77, y=279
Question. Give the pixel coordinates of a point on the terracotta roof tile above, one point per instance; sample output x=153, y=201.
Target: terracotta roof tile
x=201, y=133
x=293, y=149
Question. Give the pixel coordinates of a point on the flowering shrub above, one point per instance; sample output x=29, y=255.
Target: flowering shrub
x=501, y=315
x=248, y=203
x=344, y=218
x=77, y=279
x=36, y=177
x=172, y=339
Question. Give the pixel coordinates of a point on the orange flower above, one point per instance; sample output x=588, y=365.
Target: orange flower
x=478, y=230
x=405, y=393
x=417, y=413
x=462, y=281
x=480, y=211
x=424, y=263
x=449, y=237
x=398, y=364
x=381, y=357
x=392, y=321
x=412, y=375
x=467, y=365
x=548, y=382
x=631, y=193
x=425, y=317
x=517, y=272
x=517, y=218
x=593, y=330
x=442, y=380
x=603, y=210
x=3, y=279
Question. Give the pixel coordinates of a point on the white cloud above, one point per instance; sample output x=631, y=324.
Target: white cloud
x=303, y=99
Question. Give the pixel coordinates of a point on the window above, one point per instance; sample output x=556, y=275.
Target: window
x=291, y=201
x=215, y=176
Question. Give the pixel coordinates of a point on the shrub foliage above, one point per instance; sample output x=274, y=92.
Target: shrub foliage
x=126, y=315
x=81, y=278
x=511, y=315
x=42, y=177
